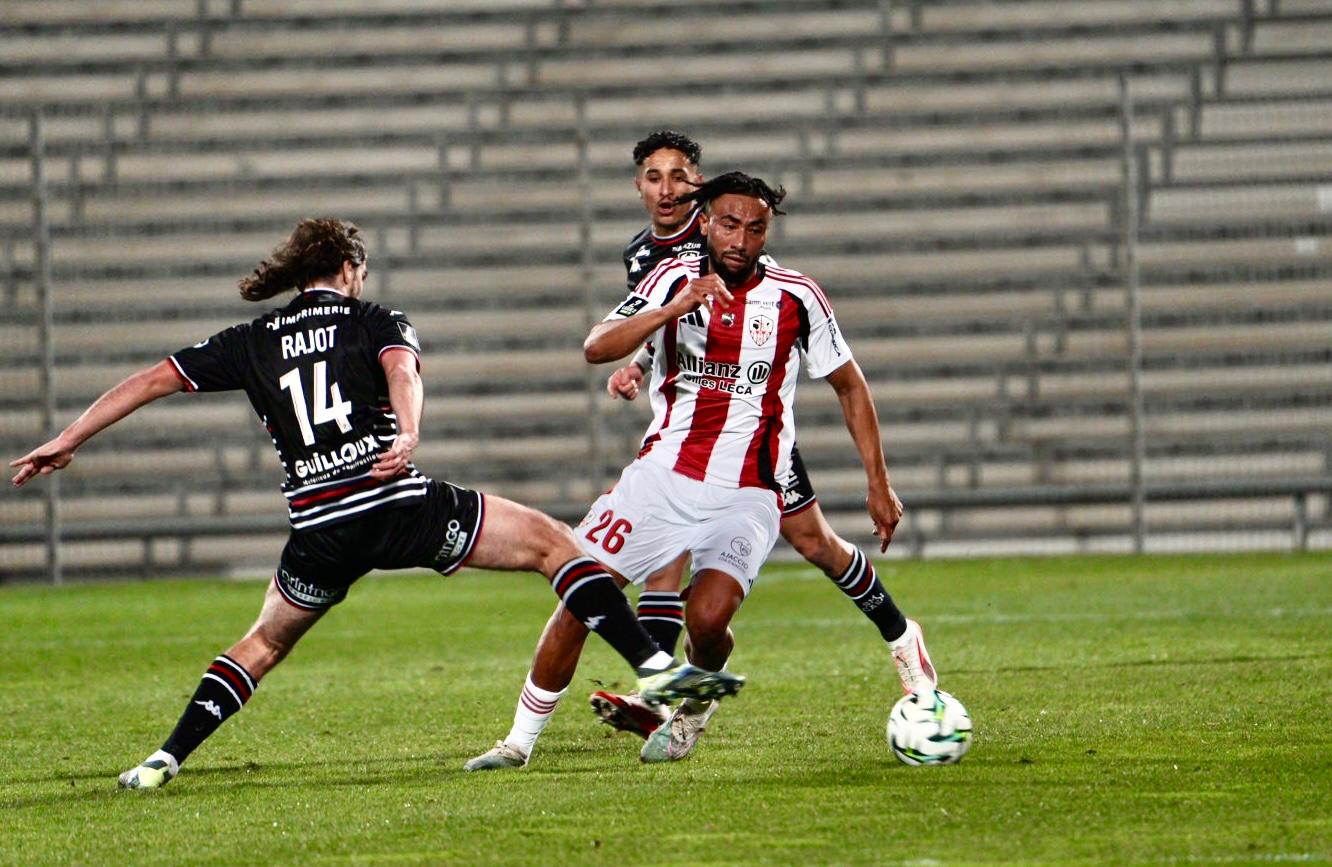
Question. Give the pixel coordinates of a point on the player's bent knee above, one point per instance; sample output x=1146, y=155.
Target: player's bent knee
x=553, y=538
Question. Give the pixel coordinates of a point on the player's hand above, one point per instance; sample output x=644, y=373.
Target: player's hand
x=394, y=462
x=42, y=461
x=886, y=511
x=625, y=382
x=708, y=291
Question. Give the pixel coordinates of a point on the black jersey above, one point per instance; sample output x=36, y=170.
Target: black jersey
x=646, y=249
x=312, y=373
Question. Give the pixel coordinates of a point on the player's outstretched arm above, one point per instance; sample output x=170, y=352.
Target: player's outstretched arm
x=863, y=422
x=406, y=396
x=611, y=341
x=119, y=401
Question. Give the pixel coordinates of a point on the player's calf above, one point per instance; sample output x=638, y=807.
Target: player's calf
x=223, y=690
x=861, y=584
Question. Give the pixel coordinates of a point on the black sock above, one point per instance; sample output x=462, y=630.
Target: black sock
x=862, y=586
x=225, y=688
x=590, y=594
x=662, y=614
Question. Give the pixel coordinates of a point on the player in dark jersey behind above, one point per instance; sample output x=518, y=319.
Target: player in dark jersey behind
x=335, y=381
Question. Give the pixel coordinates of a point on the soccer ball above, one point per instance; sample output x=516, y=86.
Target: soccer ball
x=929, y=727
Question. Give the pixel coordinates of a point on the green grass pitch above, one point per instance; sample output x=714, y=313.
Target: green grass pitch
x=1128, y=710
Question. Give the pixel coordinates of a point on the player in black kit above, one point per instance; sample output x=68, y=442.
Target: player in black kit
x=335, y=381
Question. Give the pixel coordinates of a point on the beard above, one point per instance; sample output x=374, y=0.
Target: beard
x=730, y=275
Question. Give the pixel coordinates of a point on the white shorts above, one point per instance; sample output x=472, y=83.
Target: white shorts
x=654, y=514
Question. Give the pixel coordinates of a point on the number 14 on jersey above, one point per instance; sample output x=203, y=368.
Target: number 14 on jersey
x=328, y=402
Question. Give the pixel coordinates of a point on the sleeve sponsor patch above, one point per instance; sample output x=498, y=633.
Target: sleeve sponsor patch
x=409, y=335
x=631, y=305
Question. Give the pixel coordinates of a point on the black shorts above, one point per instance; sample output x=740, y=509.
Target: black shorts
x=440, y=532
x=797, y=490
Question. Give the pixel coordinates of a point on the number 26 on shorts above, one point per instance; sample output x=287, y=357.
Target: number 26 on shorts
x=616, y=529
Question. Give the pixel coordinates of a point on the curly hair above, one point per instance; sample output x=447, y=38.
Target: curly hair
x=667, y=138
x=738, y=183
x=316, y=248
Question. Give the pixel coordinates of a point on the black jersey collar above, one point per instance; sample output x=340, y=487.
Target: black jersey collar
x=321, y=289
x=678, y=234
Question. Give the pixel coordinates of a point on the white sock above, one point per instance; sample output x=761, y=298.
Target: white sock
x=172, y=764
x=535, y=707
x=659, y=661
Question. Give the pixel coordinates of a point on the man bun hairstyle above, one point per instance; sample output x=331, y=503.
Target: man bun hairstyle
x=738, y=183
x=668, y=138
x=316, y=248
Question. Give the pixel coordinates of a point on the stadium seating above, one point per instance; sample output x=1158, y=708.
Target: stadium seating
x=955, y=177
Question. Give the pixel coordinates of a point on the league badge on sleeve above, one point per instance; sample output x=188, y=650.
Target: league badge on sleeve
x=409, y=335
x=631, y=305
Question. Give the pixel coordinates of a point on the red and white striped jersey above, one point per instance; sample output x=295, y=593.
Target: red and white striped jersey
x=723, y=384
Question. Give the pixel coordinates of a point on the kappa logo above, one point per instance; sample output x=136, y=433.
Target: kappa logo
x=760, y=329
x=873, y=602
x=211, y=708
x=635, y=266
x=728, y=319
x=593, y=622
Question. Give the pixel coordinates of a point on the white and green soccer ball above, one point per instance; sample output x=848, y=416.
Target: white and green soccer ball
x=929, y=727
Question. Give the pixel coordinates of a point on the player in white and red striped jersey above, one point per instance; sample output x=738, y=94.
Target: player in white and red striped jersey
x=730, y=335
x=723, y=385
x=668, y=167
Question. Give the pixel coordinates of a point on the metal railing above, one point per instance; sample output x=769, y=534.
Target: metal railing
x=1123, y=234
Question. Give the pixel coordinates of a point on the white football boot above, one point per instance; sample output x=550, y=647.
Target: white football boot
x=502, y=755
x=153, y=773
x=913, y=660
x=675, y=739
